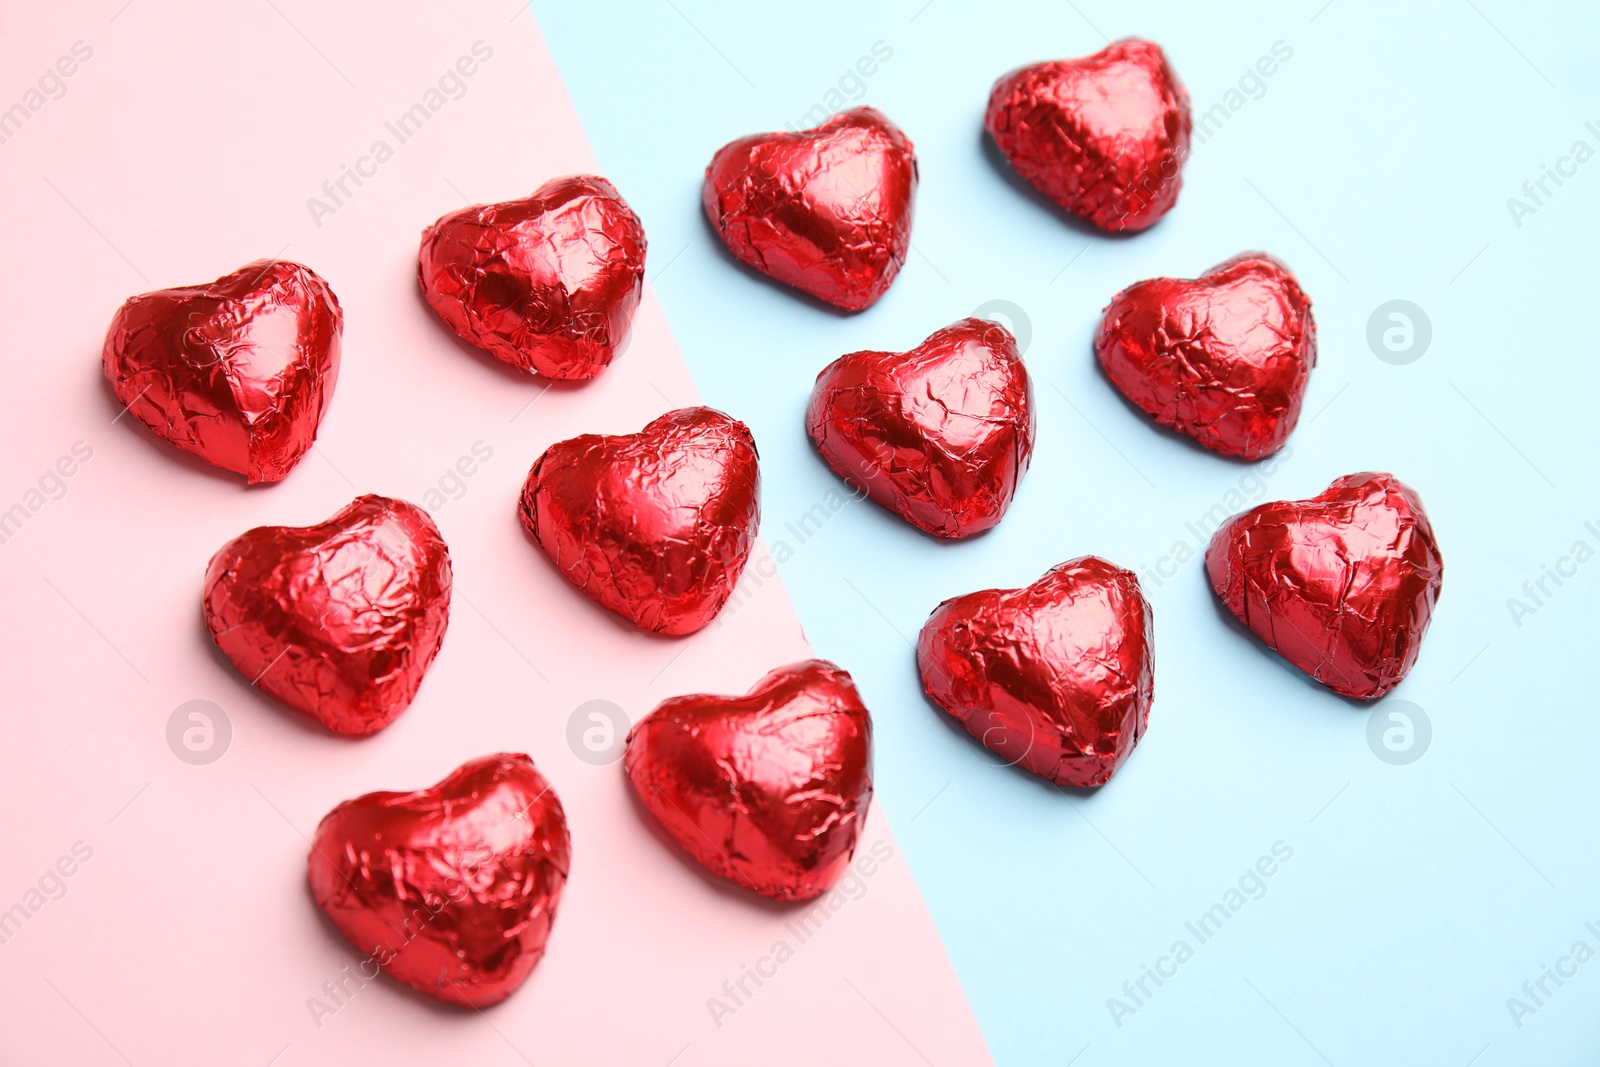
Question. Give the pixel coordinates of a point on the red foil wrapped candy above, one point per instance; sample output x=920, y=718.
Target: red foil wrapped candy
x=1056, y=677
x=940, y=435
x=1342, y=585
x=452, y=889
x=1105, y=136
x=1223, y=358
x=340, y=620
x=548, y=283
x=655, y=525
x=768, y=790
x=826, y=210
x=237, y=372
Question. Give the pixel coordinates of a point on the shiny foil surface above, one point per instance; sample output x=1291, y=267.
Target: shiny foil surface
x=1056, y=677
x=548, y=283
x=826, y=210
x=1104, y=136
x=768, y=790
x=340, y=620
x=238, y=372
x=1342, y=585
x=452, y=889
x=1223, y=358
x=939, y=435
x=655, y=525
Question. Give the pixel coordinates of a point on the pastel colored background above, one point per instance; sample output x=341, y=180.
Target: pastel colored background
x=1377, y=161
x=187, y=141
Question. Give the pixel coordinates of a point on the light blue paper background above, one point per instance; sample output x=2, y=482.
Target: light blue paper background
x=1377, y=161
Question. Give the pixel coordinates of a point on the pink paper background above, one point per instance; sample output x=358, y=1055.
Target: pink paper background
x=186, y=145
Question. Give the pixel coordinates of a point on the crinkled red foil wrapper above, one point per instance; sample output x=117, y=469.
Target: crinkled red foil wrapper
x=656, y=525
x=238, y=372
x=451, y=889
x=1056, y=677
x=769, y=790
x=548, y=283
x=1104, y=136
x=940, y=435
x=1342, y=586
x=340, y=620
x=1224, y=358
x=826, y=210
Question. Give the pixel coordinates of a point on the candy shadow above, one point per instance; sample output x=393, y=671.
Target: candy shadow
x=301, y=722
x=988, y=757
x=116, y=414
x=1232, y=622
x=443, y=1010
x=612, y=619
x=892, y=521
x=1144, y=418
x=501, y=368
x=788, y=290
x=721, y=886
x=1025, y=188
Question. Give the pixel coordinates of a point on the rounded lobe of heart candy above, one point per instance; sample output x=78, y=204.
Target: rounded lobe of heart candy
x=238, y=372
x=548, y=283
x=1224, y=358
x=1342, y=586
x=940, y=435
x=340, y=620
x=1104, y=136
x=1056, y=677
x=826, y=210
x=656, y=525
x=452, y=889
x=768, y=790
